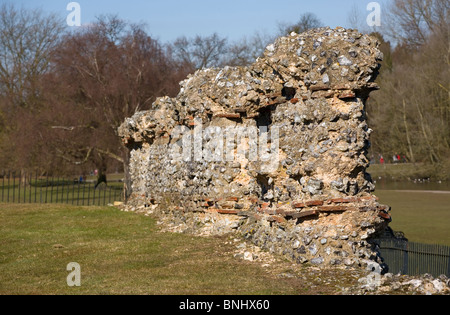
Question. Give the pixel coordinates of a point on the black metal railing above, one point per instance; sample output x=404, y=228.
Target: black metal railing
x=20, y=187
x=411, y=258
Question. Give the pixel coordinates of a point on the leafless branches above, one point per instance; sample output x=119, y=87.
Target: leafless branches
x=411, y=22
x=411, y=112
x=27, y=39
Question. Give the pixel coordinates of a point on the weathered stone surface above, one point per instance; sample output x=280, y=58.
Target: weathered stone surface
x=295, y=168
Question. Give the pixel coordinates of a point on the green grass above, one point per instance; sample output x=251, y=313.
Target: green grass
x=410, y=171
x=122, y=253
x=126, y=253
x=424, y=217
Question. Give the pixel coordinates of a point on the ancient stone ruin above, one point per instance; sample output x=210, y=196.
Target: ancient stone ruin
x=275, y=151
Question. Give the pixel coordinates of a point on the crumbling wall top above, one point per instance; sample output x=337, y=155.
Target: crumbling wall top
x=331, y=63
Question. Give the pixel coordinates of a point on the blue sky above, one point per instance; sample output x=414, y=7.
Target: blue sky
x=169, y=19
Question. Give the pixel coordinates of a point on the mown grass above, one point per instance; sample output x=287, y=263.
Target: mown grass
x=121, y=253
x=410, y=171
x=423, y=216
x=126, y=253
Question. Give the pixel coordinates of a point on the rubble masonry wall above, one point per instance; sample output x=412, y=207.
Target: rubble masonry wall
x=276, y=151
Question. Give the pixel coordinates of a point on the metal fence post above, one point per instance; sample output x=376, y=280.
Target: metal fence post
x=57, y=184
x=18, y=194
x=448, y=262
x=7, y=192
x=14, y=187
x=3, y=183
x=35, y=187
x=405, y=258
x=46, y=188
x=29, y=181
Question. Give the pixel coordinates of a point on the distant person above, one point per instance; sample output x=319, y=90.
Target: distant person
x=101, y=179
x=394, y=159
x=381, y=160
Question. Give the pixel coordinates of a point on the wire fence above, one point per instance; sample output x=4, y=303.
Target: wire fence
x=19, y=187
x=410, y=258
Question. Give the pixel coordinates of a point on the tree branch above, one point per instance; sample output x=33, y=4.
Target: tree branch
x=110, y=154
x=88, y=154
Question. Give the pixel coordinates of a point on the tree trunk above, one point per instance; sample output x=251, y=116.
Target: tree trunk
x=433, y=156
x=23, y=178
x=408, y=140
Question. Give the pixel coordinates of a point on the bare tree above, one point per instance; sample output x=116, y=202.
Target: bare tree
x=307, y=21
x=411, y=112
x=201, y=51
x=246, y=50
x=101, y=75
x=27, y=38
x=410, y=22
x=354, y=17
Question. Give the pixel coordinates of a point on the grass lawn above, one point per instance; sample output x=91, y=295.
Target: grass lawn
x=405, y=171
x=424, y=217
x=124, y=253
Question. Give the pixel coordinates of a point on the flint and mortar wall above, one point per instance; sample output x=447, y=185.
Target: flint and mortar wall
x=305, y=193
